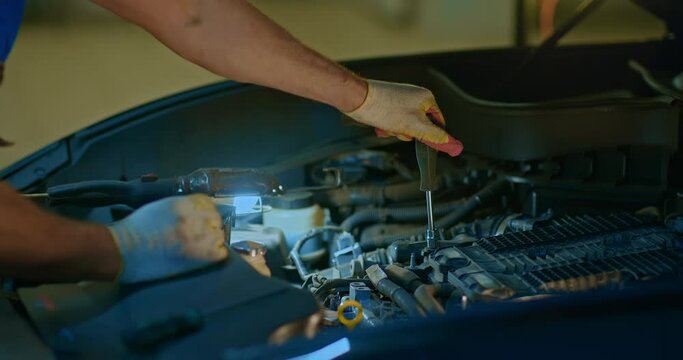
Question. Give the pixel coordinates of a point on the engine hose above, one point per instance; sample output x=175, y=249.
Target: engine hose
x=411, y=213
x=397, y=294
x=426, y=296
x=295, y=254
x=471, y=204
x=483, y=195
x=370, y=195
x=401, y=297
x=403, y=277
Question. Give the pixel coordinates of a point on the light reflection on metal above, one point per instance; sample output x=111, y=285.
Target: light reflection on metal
x=244, y=205
x=36, y=196
x=255, y=254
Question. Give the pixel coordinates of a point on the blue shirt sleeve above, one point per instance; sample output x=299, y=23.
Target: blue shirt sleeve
x=11, y=12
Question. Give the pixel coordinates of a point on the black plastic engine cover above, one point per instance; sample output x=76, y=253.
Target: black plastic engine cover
x=524, y=131
x=238, y=306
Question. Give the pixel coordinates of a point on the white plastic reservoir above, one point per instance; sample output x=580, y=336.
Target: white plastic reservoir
x=296, y=214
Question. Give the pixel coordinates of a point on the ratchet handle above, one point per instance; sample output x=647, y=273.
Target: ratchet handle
x=110, y=192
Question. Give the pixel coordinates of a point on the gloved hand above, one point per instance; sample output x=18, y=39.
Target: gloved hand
x=169, y=237
x=402, y=110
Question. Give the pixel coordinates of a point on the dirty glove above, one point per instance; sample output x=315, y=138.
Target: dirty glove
x=169, y=237
x=404, y=111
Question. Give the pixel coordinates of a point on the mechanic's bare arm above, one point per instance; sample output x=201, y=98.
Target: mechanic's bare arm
x=36, y=245
x=233, y=39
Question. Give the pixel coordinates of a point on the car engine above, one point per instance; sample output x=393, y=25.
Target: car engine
x=506, y=232
x=570, y=184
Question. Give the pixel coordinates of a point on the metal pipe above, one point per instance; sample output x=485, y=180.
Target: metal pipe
x=430, y=212
x=36, y=196
x=430, y=234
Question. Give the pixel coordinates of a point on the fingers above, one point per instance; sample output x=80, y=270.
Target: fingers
x=384, y=134
x=202, y=202
x=381, y=133
x=431, y=108
x=435, y=113
x=203, y=243
x=219, y=253
x=408, y=112
x=424, y=129
x=439, y=139
x=404, y=137
x=452, y=147
x=200, y=232
x=169, y=237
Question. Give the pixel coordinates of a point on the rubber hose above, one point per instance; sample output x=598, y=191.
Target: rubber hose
x=370, y=195
x=295, y=255
x=401, y=297
x=411, y=213
x=403, y=277
x=402, y=192
x=471, y=204
x=426, y=296
x=447, y=221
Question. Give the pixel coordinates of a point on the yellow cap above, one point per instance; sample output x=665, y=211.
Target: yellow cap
x=350, y=323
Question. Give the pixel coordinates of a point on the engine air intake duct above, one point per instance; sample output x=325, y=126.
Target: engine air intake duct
x=565, y=229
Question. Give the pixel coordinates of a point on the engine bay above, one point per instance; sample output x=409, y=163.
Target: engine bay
x=500, y=238
x=570, y=192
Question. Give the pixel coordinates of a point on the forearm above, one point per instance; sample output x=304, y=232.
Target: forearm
x=36, y=245
x=233, y=39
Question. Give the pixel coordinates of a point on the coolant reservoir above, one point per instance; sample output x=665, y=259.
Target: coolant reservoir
x=295, y=214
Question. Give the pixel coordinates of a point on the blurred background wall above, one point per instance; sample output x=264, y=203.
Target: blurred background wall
x=74, y=64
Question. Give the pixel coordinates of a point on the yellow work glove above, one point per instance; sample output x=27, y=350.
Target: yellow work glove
x=169, y=237
x=404, y=111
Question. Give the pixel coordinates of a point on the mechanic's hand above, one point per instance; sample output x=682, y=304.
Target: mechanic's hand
x=402, y=110
x=169, y=237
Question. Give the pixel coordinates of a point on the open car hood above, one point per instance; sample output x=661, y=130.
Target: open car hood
x=561, y=223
